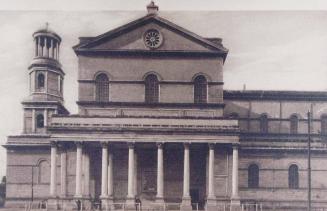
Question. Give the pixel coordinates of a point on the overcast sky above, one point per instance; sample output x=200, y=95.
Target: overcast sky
x=279, y=49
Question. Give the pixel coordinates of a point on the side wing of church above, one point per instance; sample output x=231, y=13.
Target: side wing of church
x=156, y=130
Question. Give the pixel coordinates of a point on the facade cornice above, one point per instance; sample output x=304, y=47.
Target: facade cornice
x=160, y=82
x=142, y=53
x=31, y=103
x=151, y=105
x=248, y=136
x=275, y=95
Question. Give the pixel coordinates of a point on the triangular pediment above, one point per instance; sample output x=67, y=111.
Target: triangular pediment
x=132, y=37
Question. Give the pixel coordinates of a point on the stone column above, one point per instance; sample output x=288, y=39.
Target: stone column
x=211, y=170
x=135, y=174
x=235, y=196
x=36, y=46
x=110, y=175
x=53, y=200
x=52, y=49
x=40, y=47
x=45, y=114
x=130, y=188
x=86, y=161
x=104, y=171
x=186, y=200
x=63, y=173
x=53, y=170
x=160, y=174
x=78, y=187
x=33, y=121
x=211, y=199
x=46, y=47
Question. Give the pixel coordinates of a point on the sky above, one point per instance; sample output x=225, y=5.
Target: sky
x=273, y=44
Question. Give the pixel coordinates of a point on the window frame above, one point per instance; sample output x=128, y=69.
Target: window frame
x=151, y=89
x=253, y=176
x=200, y=89
x=102, y=88
x=294, y=124
x=323, y=124
x=40, y=121
x=293, y=177
x=264, y=125
x=40, y=84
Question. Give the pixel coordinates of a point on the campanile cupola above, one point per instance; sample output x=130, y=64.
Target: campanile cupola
x=46, y=74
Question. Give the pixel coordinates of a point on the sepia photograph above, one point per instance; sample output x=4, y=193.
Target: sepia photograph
x=162, y=105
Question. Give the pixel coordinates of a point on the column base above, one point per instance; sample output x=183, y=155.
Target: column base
x=104, y=202
x=235, y=204
x=53, y=204
x=77, y=203
x=186, y=204
x=130, y=203
x=211, y=204
x=160, y=199
x=159, y=203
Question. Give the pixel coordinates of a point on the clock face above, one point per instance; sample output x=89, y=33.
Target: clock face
x=152, y=38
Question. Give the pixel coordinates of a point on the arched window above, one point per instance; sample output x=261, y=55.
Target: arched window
x=40, y=81
x=44, y=172
x=294, y=122
x=102, y=88
x=40, y=121
x=264, y=123
x=151, y=89
x=253, y=176
x=200, y=89
x=293, y=177
x=324, y=124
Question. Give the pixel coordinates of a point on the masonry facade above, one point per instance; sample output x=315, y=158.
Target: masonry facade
x=156, y=127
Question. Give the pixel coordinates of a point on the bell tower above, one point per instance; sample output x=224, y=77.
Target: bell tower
x=46, y=79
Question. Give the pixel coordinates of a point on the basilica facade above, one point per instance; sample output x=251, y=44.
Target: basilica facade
x=156, y=129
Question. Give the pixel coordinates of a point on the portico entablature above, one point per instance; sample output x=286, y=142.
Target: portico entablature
x=94, y=123
x=141, y=138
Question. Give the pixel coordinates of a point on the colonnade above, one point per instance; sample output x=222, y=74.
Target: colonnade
x=107, y=173
x=46, y=46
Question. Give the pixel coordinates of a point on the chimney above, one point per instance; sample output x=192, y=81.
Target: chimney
x=152, y=8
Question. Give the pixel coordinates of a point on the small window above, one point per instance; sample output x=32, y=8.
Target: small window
x=324, y=125
x=293, y=177
x=264, y=123
x=151, y=89
x=40, y=80
x=102, y=88
x=294, y=122
x=200, y=89
x=40, y=121
x=44, y=172
x=253, y=176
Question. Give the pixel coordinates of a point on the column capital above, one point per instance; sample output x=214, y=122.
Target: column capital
x=62, y=146
x=79, y=143
x=53, y=143
x=131, y=145
x=160, y=145
x=187, y=145
x=104, y=144
x=236, y=146
x=211, y=145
